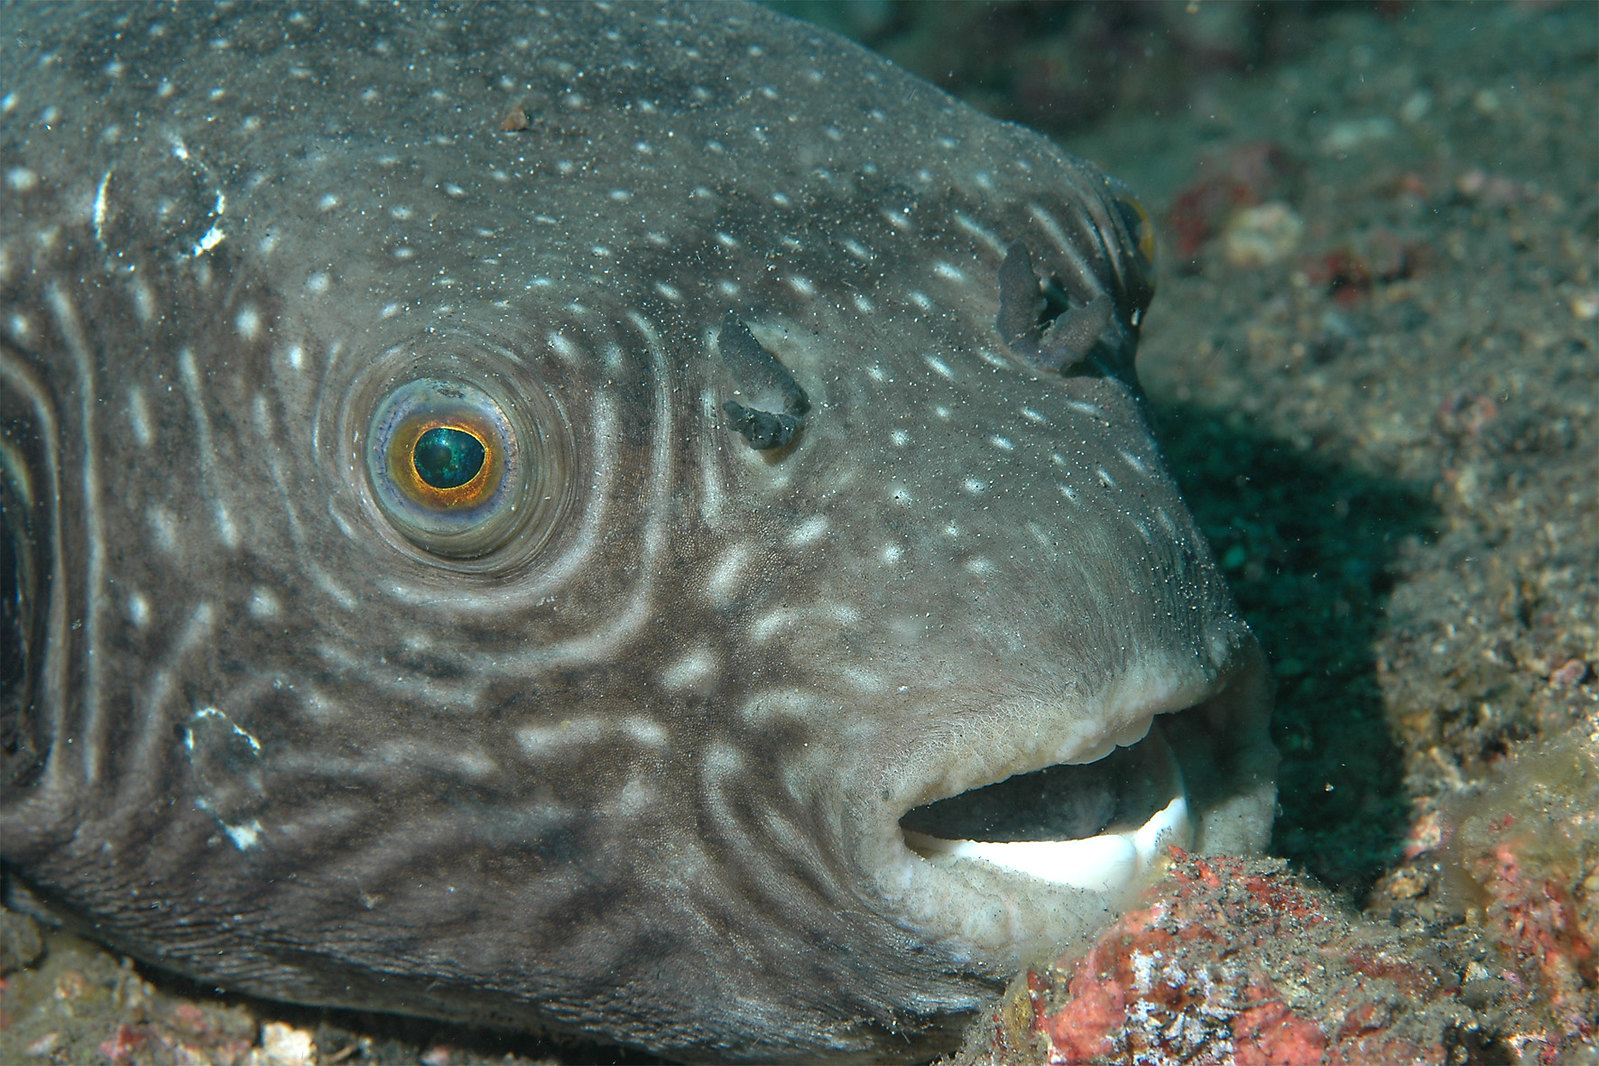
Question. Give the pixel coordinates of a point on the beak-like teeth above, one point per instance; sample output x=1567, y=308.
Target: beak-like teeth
x=1109, y=862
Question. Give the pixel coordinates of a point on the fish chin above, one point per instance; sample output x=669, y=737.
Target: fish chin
x=1002, y=855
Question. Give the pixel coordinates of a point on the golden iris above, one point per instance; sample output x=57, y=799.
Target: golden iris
x=448, y=467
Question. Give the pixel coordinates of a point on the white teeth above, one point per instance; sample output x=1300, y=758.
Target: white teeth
x=1105, y=863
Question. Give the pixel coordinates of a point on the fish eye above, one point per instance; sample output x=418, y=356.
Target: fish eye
x=450, y=467
x=1136, y=218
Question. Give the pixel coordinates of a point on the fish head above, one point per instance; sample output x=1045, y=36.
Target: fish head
x=526, y=535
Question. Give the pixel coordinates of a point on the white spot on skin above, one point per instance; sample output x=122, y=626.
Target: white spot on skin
x=544, y=741
x=899, y=438
x=975, y=485
x=646, y=731
x=138, y=610
x=317, y=284
x=949, y=271
x=1004, y=444
x=691, y=671
x=1105, y=478
x=263, y=604
x=143, y=301
x=565, y=349
x=163, y=529
x=722, y=584
x=807, y=532
x=139, y=417
x=227, y=531
x=248, y=323
x=939, y=366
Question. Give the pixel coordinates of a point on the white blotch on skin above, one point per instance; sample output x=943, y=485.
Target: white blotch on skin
x=227, y=531
x=138, y=610
x=163, y=528
x=565, y=349
x=722, y=584
x=538, y=741
x=1105, y=478
x=646, y=731
x=248, y=323
x=1004, y=444
x=263, y=604
x=691, y=671
x=139, y=417
x=975, y=485
x=939, y=366
x=807, y=532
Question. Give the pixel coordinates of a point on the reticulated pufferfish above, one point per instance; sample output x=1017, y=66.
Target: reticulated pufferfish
x=552, y=517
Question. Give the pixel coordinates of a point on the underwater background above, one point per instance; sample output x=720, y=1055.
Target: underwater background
x=1372, y=363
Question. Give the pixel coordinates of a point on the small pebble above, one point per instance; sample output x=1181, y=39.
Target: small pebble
x=1262, y=235
x=1572, y=672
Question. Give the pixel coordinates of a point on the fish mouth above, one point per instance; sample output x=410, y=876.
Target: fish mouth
x=1101, y=825
x=1004, y=852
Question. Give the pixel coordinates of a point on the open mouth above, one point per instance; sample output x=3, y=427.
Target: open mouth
x=1100, y=825
x=1030, y=830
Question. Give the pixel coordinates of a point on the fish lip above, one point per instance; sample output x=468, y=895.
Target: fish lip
x=993, y=919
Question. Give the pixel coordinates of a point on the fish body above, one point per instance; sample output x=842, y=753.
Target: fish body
x=533, y=515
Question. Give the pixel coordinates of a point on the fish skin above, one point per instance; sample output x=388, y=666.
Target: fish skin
x=637, y=771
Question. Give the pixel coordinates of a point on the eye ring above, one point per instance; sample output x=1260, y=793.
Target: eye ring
x=451, y=467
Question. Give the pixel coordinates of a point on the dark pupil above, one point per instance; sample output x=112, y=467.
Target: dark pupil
x=447, y=458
